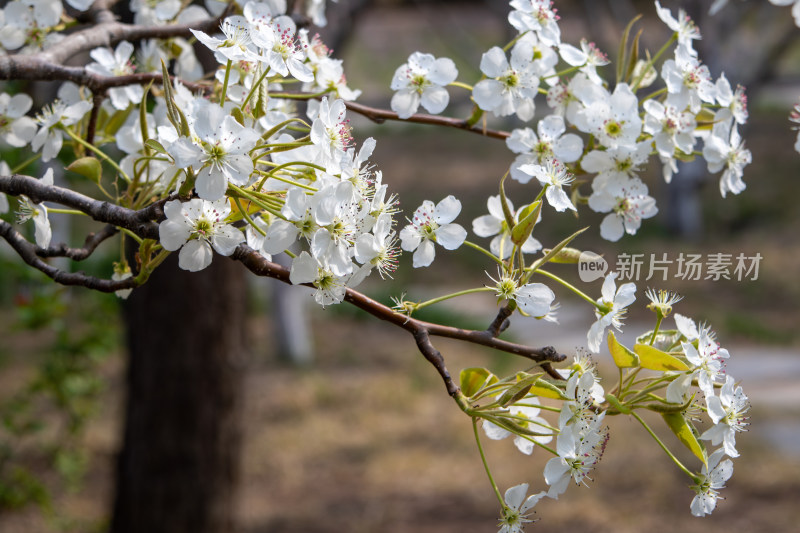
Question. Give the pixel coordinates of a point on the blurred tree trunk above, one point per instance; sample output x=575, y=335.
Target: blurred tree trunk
x=178, y=469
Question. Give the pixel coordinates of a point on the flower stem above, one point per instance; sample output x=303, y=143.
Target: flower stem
x=453, y=295
x=571, y=287
x=485, y=464
x=97, y=151
x=225, y=83
x=663, y=447
x=462, y=85
x=485, y=252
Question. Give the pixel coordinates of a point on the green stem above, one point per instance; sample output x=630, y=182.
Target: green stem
x=66, y=211
x=246, y=216
x=655, y=330
x=25, y=163
x=253, y=88
x=485, y=464
x=449, y=296
x=131, y=234
x=652, y=61
x=97, y=151
x=663, y=447
x=225, y=83
x=571, y=287
x=462, y=85
x=485, y=252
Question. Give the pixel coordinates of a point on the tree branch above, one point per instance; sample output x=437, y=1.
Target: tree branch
x=93, y=240
x=27, y=252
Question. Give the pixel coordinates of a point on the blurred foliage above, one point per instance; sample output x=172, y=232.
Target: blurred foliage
x=44, y=420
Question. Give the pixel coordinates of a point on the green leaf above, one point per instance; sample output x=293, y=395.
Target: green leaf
x=473, y=379
x=507, y=214
x=634, y=58
x=623, y=48
x=545, y=389
x=554, y=251
x=654, y=359
x=528, y=218
x=116, y=121
x=88, y=167
x=155, y=145
x=520, y=389
x=568, y=256
x=623, y=357
x=686, y=433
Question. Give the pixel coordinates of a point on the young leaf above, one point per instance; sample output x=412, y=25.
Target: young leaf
x=686, y=434
x=525, y=226
x=623, y=357
x=88, y=167
x=654, y=359
x=474, y=379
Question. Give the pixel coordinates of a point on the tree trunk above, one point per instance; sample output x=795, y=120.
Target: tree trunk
x=178, y=468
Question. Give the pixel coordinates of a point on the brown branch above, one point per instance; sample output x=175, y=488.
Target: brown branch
x=381, y=115
x=93, y=240
x=139, y=222
x=27, y=252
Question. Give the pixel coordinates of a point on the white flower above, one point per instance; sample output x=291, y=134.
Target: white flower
x=688, y=82
x=195, y=227
x=728, y=413
x=433, y=224
x=330, y=132
x=494, y=224
x=236, y=44
x=28, y=210
x=49, y=138
x=725, y=148
x=514, y=513
x=331, y=288
x=422, y=80
x=552, y=175
x=588, y=58
x=670, y=127
x=551, y=142
x=117, y=63
x=28, y=22
x=379, y=248
x=509, y=88
x=222, y=151
x=542, y=56
x=122, y=271
x=538, y=16
x=714, y=475
x=628, y=201
x=576, y=458
x=706, y=361
x=15, y=128
x=612, y=118
x=616, y=163
x=733, y=104
x=614, y=302
x=684, y=26
x=276, y=40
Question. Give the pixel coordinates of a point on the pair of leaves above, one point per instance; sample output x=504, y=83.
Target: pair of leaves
x=644, y=356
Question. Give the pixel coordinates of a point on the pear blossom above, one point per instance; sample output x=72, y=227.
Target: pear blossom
x=153, y=12
x=28, y=210
x=276, y=40
x=195, y=228
x=379, y=248
x=576, y=458
x=538, y=16
x=432, y=224
x=516, y=506
x=670, y=127
x=588, y=58
x=794, y=117
x=494, y=224
x=509, y=87
x=533, y=299
x=684, y=26
x=122, y=271
x=117, y=63
x=612, y=117
x=525, y=413
x=713, y=476
x=28, y=23
x=221, y=148
x=616, y=163
x=553, y=175
x=725, y=148
x=628, y=203
x=543, y=57
x=330, y=132
x=614, y=302
x=706, y=362
x=551, y=142
x=330, y=288
x=15, y=128
x=727, y=411
x=422, y=80
x=50, y=138
x=688, y=82
x=733, y=105
x=236, y=44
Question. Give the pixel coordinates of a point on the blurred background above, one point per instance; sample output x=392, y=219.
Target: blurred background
x=342, y=425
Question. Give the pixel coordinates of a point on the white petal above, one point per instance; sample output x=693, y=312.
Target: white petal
x=195, y=255
x=451, y=236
